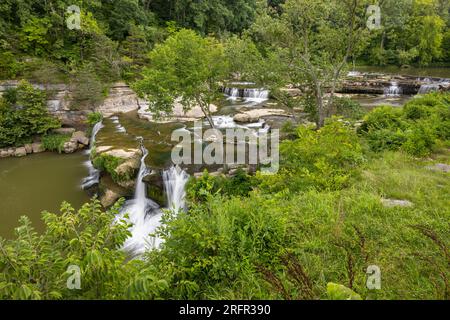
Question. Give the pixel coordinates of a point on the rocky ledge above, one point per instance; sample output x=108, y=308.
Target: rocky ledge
x=119, y=168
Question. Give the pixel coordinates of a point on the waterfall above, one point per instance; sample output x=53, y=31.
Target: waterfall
x=394, y=90
x=257, y=95
x=94, y=174
x=427, y=88
x=145, y=214
x=232, y=93
x=175, y=181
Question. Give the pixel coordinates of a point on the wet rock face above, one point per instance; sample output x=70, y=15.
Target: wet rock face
x=367, y=83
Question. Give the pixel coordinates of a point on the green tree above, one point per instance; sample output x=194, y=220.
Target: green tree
x=186, y=67
x=312, y=41
x=24, y=114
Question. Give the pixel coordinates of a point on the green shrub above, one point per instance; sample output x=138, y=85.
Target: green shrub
x=323, y=159
x=109, y=164
x=24, y=114
x=347, y=108
x=106, y=163
x=385, y=139
x=55, y=142
x=94, y=118
x=420, y=139
x=383, y=118
x=415, y=128
x=240, y=185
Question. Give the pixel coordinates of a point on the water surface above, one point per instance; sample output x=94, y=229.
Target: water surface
x=39, y=182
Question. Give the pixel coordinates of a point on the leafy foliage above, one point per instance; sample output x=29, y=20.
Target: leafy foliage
x=24, y=114
x=186, y=68
x=55, y=142
x=416, y=128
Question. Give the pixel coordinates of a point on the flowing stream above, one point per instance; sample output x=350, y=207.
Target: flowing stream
x=145, y=214
x=94, y=174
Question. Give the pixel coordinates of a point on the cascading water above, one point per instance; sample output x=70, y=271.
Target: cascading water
x=427, y=88
x=94, y=174
x=256, y=95
x=145, y=214
x=175, y=181
x=394, y=90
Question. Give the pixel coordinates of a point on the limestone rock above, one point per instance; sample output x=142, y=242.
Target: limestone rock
x=67, y=131
x=70, y=146
x=255, y=115
x=121, y=99
x=4, y=154
x=242, y=118
x=20, y=152
x=124, y=153
x=109, y=198
x=37, y=147
x=80, y=137
x=29, y=148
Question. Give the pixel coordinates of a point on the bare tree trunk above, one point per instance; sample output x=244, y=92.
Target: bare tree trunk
x=207, y=114
x=321, y=110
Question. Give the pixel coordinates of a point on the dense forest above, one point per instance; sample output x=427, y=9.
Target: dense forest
x=309, y=231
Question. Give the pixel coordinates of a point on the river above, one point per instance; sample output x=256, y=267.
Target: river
x=39, y=182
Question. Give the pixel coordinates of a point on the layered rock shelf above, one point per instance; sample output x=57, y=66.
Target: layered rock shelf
x=368, y=83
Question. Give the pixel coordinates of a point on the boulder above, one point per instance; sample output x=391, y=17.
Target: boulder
x=11, y=152
x=242, y=118
x=20, y=152
x=67, y=131
x=37, y=147
x=70, y=146
x=109, y=198
x=80, y=137
x=4, y=154
x=29, y=148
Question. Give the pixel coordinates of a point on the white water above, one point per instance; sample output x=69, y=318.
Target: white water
x=427, y=88
x=94, y=174
x=145, y=214
x=393, y=91
x=175, y=181
x=248, y=95
x=119, y=127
